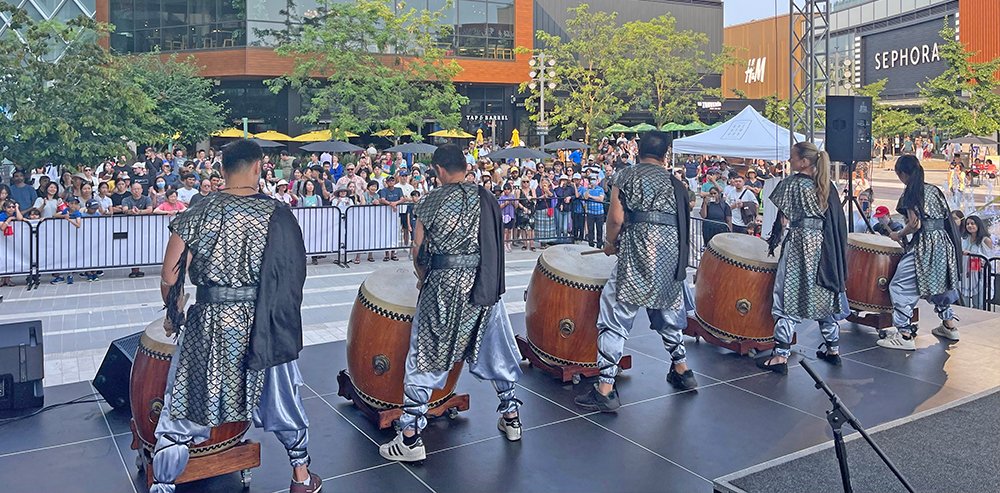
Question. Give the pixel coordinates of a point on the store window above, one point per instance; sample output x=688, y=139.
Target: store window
x=173, y=25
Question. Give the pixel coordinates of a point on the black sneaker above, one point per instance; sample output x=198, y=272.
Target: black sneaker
x=682, y=381
x=596, y=401
x=833, y=359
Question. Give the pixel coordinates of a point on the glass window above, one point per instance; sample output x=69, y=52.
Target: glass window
x=471, y=18
x=266, y=10
x=147, y=14
x=173, y=12
x=203, y=12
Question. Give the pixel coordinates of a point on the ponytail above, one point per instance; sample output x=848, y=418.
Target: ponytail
x=913, y=194
x=822, y=178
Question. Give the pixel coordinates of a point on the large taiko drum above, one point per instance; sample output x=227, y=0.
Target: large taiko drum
x=733, y=293
x=147, y=385
x=378, y=339
x=562, y=303
x=871, y=263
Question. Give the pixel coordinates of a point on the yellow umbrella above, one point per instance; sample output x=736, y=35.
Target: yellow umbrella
x=515, y=138
x=319, y=136
x=389, y=133
x=233, y=133
x=272, y=135
x=479, y=136
x=455, y=133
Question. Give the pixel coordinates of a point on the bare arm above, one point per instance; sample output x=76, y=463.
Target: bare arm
x=912, y=226
x=418, y=239
x=616, y=219
x=168, y=272
x=704, y=209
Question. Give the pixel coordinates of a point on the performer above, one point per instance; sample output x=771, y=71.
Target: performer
x=648, y=229
x=931, y=266
x=812, y=268
x=458, y=257
x=238, y=344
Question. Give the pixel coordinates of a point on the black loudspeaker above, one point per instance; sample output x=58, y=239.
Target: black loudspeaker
x=849, y=128
x=22, y=365
x=113, y=376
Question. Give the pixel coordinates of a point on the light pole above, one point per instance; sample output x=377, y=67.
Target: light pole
x=542, y=75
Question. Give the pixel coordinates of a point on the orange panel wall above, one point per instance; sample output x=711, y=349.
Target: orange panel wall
x=978, y=27
x=763, y=42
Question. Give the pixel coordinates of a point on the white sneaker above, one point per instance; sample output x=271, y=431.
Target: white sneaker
x=896, y=341
x=511, y=429
x=397, y=450
x=946, y=333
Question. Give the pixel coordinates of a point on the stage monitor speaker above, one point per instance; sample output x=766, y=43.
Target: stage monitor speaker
x=849, y=128
x=22, y=365
x=113, y=376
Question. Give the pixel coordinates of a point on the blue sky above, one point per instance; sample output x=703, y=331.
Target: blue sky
x=740, y=11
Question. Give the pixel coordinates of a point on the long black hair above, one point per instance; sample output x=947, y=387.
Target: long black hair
x=913, y=195
x=981, y=232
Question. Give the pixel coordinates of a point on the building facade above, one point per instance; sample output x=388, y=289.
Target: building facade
x=762, y=46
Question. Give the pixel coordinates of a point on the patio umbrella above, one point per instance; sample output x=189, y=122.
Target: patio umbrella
x=479, y=136
x=455, y=133
x=272, y=135
x=515, y=138
x=972, y=139
x=231, y=133
x=519, y=153
x=261, y=142
x=319, y=136
x=389, y=133
x=331, y=146
x=413, y=148
x=671, y=127
x=642, y=127
x=694, y=127
x=566, y=144
x=617, y=128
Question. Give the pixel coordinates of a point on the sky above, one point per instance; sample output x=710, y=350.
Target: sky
x=740, y=11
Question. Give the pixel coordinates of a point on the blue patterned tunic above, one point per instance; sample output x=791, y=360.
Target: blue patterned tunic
x=933, y=251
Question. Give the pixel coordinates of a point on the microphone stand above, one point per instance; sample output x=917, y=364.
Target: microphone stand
x=839, y=415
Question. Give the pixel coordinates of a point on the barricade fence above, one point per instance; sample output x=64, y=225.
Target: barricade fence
x=115, y=242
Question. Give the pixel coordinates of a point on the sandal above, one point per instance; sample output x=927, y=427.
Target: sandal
x=779, y=368
x=385, y=259
x=394, y=258
x=357, y=260
x=371, y=258
x=833, y=359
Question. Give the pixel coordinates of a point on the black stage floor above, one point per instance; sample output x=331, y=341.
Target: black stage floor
x=659, y=441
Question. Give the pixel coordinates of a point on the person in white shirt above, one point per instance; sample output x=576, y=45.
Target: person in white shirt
x=737, y=198
x=404, y=210
x=185, y=193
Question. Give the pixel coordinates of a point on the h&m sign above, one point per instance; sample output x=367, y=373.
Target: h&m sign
x=756, y=68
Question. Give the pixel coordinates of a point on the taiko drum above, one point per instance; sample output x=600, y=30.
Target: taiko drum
x=378, y=339
x=147, y=385
x=562, y=304
x=733, y=292
x=871, y=263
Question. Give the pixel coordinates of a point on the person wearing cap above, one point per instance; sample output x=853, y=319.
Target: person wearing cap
x=884, y=224
x=578, y=212
x=281, y=193
x=341, y=200
x=565, y=193
x=648, y=227
x=405, y=213
x=753, y=182
x=713, y=179
x=392, y=196
x=92, y=209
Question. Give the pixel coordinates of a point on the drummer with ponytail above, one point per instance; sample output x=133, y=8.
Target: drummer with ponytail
x=812, y=269
x=930, y=268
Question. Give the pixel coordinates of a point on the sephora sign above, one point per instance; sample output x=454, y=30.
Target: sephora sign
x=907, y=56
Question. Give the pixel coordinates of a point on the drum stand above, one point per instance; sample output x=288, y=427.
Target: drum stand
x=742, y=347
x=242, y=457
x=385, y=418
x=879, y=321
x=564, y=373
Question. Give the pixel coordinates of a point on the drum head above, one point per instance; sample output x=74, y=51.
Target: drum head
x=393, y=289
x=877, y=243
x=565, y=261
x=743, y=248
x=155, y=338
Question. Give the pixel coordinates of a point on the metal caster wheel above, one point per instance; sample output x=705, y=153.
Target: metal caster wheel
x=752, y=352
x=882, y=333
x=576, y=379
x=452, y=412
x=245, y=476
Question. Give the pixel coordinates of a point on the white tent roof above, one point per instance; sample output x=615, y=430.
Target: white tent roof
x=747, y=135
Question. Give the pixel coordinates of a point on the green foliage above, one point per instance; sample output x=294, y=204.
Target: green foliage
x=183, y=101
x=887, y=122
x=369, y=65
x=589, y=72
x=63, y=101
x=962, y=100
x=665, y=67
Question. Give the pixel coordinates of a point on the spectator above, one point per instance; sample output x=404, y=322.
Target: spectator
x=755, y=184
x=691, y=173
x=139, y=177
x=21, y=192
x=717, y=215
x=72, y=214
x=298, y=184
x=281, y=194
x=507, y=205
x=185, y=193
x=417, y=179
x=103, y=198
x=978, y=248
x=525, y=213
x=596, y=216
x=157, y=193
x=354, y=183
x=578, y=213
x=169, y=175
x=50, y=203
x=712, y=181
x=107, y=173
x=171, y=206
x=152, y=163
x=122, y=189
x=744, y=202
x=87, y=175
x=137, y=204
x=4, y=193
x=545, y=211
x=392, y=196
x=565, y=193
x=268, y=183
x=216, y=181
x=341, y=200
x=862, y=215
x=405, y=214
x=203, y=191
x=959, y=218
x=884, y=224
x=11, y=212
x=93, y=209
x=370, y=195
x=309, y=197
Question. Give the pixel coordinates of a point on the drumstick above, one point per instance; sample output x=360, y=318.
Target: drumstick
x=591, y=252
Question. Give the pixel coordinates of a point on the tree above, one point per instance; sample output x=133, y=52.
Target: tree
x=887, y=122
x=589, y=71
x=182, y=100
x=370, y=64
x=62, y=101
x=963, y=99
x=666, y=66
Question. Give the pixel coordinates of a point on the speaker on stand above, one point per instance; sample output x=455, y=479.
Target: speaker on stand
x=849, y=139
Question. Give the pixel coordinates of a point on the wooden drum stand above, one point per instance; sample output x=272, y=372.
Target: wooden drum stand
x=241, y=457
x=564, y=372
x=384, y=417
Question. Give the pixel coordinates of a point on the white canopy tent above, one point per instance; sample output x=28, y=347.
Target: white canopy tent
x=747, y=135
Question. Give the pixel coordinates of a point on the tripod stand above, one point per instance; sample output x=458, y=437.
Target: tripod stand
x=851, y=201
x=839, y=415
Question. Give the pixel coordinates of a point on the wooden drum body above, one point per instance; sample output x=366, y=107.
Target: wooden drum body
x=871, y=262
x=562, y=304
x=378, y=339
x=147, y=385
x=733, y=292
